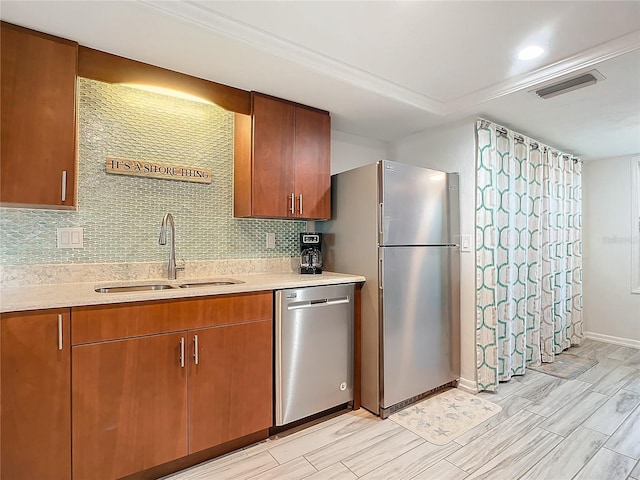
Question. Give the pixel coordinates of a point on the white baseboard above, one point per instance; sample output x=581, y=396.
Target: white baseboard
x=625, y=342
x=467, y=385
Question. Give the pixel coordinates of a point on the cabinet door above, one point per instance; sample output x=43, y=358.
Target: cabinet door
x=129, y=402
x=272, y=169
x=35, y=395
x=230, y=386
x=313, y=164
x=38, y=77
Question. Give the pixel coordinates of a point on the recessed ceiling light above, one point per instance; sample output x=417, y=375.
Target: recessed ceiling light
x=530, y=52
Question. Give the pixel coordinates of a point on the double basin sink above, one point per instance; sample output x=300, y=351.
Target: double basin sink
x=142, y=287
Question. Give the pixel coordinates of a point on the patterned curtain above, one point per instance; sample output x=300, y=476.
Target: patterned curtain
x=528, y=253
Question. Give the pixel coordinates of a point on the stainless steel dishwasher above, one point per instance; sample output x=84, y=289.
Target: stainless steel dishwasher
x=314, y=350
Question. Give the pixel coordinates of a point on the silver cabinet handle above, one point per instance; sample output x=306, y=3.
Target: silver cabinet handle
x=182, y=352
x=195, y=349
x=59, y=331
x=300, y=204
x=293, y=203
x=64, y=185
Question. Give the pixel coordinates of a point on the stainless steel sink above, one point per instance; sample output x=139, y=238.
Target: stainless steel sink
x=132, y=288
x=217, y=282
x=210, y=283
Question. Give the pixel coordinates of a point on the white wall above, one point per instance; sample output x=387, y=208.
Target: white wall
x=611, y=311
x=350, y=151
x=452, y=149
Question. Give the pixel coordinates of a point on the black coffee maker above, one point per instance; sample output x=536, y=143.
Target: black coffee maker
x=311, y=252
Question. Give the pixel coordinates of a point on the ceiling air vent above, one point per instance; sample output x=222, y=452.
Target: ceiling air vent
x=568, y=85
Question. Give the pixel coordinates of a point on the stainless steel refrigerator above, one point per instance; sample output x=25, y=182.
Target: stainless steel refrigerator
x=399, y=226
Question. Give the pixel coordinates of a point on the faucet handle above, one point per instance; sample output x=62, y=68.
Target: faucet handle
x=181, y=265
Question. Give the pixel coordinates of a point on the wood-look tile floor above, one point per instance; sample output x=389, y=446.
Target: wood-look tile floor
x=549, y=429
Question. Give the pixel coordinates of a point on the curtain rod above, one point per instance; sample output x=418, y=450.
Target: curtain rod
x=484, y=123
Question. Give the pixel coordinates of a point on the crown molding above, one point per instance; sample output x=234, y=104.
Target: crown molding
x=224, y=25
x=586, y=59
x=199, y=14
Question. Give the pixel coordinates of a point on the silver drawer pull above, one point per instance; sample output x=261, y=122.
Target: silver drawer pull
x=293, y=204
x=182, y=352
x=300, y=204
x=195, y=349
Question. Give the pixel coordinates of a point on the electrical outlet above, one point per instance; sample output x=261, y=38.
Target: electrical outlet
x=70, y=237
x=271, y=240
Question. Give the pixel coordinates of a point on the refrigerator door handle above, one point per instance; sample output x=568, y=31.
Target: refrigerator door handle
x=380, y=273
x=380, y=220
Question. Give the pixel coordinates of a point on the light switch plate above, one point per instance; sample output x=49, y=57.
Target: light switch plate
x=465, y=243
x=70, y=237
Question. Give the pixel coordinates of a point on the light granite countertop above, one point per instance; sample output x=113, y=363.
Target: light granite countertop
x=37, y=297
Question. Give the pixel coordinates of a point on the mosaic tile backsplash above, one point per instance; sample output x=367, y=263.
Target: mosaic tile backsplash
x=121, y=215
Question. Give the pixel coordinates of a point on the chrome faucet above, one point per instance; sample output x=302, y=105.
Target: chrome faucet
x=168, y=218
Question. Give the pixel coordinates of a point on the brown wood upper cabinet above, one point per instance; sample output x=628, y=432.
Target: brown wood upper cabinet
x=282, y=161
x=35, y=394
x=38, y=112
x=155, y=381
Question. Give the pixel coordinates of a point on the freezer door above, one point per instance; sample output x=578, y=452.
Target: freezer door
x=314, y=350
x=420, y=317
x=417, y=206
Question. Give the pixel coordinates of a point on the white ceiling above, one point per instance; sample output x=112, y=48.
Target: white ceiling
x=387, y=69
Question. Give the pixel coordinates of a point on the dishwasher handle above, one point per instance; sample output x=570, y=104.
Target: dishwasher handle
x=319, y=302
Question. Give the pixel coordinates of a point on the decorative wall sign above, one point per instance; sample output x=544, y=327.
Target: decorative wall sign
x=140, y=168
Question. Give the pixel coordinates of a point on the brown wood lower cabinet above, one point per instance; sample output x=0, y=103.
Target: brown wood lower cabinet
x=230, y=386
x=129, y=406
x=35, y=389
x=141, y=401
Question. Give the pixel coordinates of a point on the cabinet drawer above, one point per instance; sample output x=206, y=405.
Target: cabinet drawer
x=110, y=322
